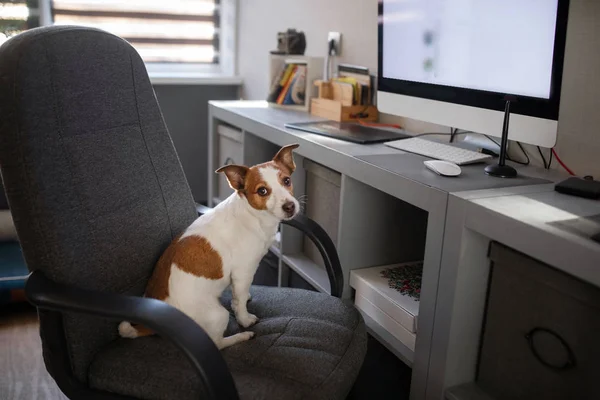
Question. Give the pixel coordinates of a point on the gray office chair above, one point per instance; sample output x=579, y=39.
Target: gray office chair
x=97, y=193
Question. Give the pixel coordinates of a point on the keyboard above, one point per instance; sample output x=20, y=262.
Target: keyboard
x=439, y=151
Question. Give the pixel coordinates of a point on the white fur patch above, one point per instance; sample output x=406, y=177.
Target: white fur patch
x=279, y=193
x=127, y=331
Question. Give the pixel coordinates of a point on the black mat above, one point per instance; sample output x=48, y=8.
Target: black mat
x=348, y=131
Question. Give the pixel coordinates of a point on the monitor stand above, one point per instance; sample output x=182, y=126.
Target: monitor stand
x=502, y=170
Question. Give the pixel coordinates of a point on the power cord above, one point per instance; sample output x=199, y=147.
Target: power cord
x=561, y=162
x=453, y=133
x=546, y=166
x=524, y=153
x=327, y=74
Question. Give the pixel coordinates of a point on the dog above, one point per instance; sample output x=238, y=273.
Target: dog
x=224, y=247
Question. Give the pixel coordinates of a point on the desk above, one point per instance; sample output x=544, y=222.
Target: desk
x=371, y=175
x=528, y=219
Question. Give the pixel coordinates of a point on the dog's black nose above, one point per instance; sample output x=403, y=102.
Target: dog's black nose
x=289, y=207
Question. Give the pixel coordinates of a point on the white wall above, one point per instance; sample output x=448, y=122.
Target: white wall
x=579, y=120
x=260, y=20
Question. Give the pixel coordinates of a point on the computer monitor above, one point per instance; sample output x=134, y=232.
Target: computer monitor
x=452, y=62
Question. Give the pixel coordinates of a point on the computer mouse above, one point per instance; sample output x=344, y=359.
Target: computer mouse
x=444, y=168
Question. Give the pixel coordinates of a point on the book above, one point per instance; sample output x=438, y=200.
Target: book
x=279, y=82
x=297, y=90
x=288, y=82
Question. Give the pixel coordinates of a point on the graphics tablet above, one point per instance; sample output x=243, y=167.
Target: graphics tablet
x=348, y=131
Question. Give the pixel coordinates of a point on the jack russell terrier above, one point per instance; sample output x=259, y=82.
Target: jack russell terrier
x=224, y=247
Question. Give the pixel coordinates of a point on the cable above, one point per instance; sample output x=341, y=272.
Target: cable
x=543, y=158
x=562, y=163
x=496, y=143
x=524, y=153
x=453, y=132
x=442, y=133
x=508, y=157
x=550, y=160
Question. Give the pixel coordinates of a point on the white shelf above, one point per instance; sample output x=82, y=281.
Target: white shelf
x=309, y=271
x=275, y=250
x=390, y=316
x=386, y=322
x=314, y=71
x=276, y=246
x=388, y=340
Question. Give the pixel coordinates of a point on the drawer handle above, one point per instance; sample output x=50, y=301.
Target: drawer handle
x=229, y=160
x=570, y=363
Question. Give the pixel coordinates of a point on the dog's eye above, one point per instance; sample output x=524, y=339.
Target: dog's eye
x=287, y=181
x=262, y=191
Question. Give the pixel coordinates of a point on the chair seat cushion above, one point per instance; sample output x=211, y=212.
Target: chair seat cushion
x=308, y=345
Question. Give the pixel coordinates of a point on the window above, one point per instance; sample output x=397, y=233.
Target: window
x=17, y=16
x=170, y=35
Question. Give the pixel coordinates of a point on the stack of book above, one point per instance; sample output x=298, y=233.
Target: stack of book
x=289, y=85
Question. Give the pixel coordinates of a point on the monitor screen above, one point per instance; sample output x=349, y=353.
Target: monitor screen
x=498, y=46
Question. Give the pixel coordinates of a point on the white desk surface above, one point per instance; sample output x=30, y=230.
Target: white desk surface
x=548, y=226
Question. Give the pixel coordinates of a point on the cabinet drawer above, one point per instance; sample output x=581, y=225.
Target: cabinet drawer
x=540, y=337
x=230, y=152
x=323, y=204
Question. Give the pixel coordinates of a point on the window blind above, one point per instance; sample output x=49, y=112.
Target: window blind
x=17, y=16
x=162, y=31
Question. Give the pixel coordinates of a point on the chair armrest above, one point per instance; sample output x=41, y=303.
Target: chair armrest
x=202, y=209
x=159, y=316
x=322, y=241
x=325, y=245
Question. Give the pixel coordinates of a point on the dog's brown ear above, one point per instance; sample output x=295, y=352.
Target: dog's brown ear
x=286, y=157
x=236, y=175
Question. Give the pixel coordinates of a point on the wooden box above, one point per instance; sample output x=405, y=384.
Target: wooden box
x=334, y=102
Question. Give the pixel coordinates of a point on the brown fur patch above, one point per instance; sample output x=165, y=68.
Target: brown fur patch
x=158, y=286
x=254, y=181
x=236, y=175
x=285, y=157
x=196, y=256
x=192, y=254
x=142, y=330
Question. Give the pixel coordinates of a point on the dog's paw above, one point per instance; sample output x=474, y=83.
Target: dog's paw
x=247, y=320
x=248, y=335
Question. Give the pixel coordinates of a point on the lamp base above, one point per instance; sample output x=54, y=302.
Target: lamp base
x=501, y=171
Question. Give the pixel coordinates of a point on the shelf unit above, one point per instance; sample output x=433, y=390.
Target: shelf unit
x=314, y=71
x=370, y=228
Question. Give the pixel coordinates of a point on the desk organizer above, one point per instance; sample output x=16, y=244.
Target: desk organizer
x=335, y=102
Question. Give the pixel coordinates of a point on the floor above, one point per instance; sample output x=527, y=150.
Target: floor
x=23, y=375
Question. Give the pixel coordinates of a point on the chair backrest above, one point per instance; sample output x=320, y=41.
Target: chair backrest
x=90, y=172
